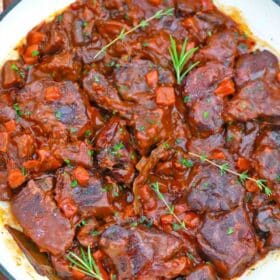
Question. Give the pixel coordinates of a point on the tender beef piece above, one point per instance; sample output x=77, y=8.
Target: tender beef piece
x=41, y=220
x=87, y=53
x=130, y=79
x=253, y=66
x=228, y=241
x=25, y=144
x=104, y=95
x=56, y=107
x=62, y=268
x=257, y=99
x=7, y=113
x=221, y=47
x=205, y=116
x=63, y=65
x=88, y=233
x=202, y=82
x=240, y=138
x=202, y=272
x=115, y=152
x=12, y=74
x=133, y=250
x=209, y=191
x=267, y=156
x=204, y=22
x=268, y=221
x=77, y=153
x=84, y=200
x=188, y=7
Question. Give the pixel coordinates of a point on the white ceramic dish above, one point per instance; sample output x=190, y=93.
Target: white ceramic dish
x=263, y=18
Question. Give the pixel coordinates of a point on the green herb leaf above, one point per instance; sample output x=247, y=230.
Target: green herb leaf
x=95, y=233
x=74, y=183
x=186, y=162
x=243, y=177
x=35, y=53
x=224, y=168
x=18, y=110
x=206, y=115
x=230, y=230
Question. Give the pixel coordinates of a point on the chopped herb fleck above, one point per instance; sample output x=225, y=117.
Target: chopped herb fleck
x=205, y=186
x=187, y=99
x=117, y=148
x=90, y=153
x=58, y=115
x=145, y=44
x=73, y=130
x=68, y=162
x=74, y=183
x=141, y=128
x=35, y=53
x=186, y=162
x=96, y=79
x=191, y=256
x=60, y=18
x=87, y=133
x=230, y=230
x=134, y=224
x=206, y=115
x=95, y=233
x=23, y=171
x=18, y=110
x=178, y=140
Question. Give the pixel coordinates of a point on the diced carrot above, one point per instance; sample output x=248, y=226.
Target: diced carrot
x=15, y=178
x=152, y=78
x=166, y=219
x=31, y=54
x=98, y=256
x=82, y=175
x=251, y=186
x=52, y=93
x=155, y=2
x=190, y=45
x=68, y=207
x=148, y=200
x=128, y=212
x=77, y=275
x=207, y=5
x=243, y=164
x=225, y=88
x=191, y=219
x=10, y=126
x=31, y=164
x=278, y=77
x=35, y=37
x=3, y=142
x=180, y=208
x=216, y=154
x=165, y=96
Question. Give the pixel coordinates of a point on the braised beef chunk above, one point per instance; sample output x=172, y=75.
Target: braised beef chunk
x=202, y=272
x=133, y=250
x=257, y=65
x=212, y=192
x=257, y=99
x=115, y=152
x=42, y=220
x=74, y=198
x=268, y=221
x=238, y=248
x=143, y=137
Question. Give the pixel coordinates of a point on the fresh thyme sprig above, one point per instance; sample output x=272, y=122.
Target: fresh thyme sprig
x=243, y=177
x=143, y=23
x=180, y=60
x=170, y=208
x=85, y=264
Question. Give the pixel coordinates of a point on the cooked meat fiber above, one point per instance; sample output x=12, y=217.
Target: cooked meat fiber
x=42, y=220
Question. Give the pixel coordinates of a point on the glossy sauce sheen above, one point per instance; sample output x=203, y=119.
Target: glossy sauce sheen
x=82, y=139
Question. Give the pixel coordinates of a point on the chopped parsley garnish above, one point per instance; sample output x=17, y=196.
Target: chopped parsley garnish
x=134, y=224
x=35, y=53
x=95, y=233
x=58, y=115
x=18, y=110
x=60, y=18
x=68, y=162
x=186, y=162
x=206, y=115
x=117, y=148
x=74, y=183
x=230, y=230
x=23, y=171
x=187, y=99
x=96, y=78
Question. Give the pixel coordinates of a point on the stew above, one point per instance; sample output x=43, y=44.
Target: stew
x=141, y=140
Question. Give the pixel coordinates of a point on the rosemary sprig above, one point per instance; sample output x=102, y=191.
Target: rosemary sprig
x=170, y=208
x=180, y=60
x=85, y=264
x=243, y=177
x=143, y=23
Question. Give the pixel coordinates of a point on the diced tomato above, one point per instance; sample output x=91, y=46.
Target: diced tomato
x=15, y=178
x=10, y=126
x=243, y=164
x=152, y=78
x=216, y=154
x=3, y=142
x=155, y=2
x=52, y=93
x=165, y=96
x=31, y=54
x=35, y=37
x=225, y=88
